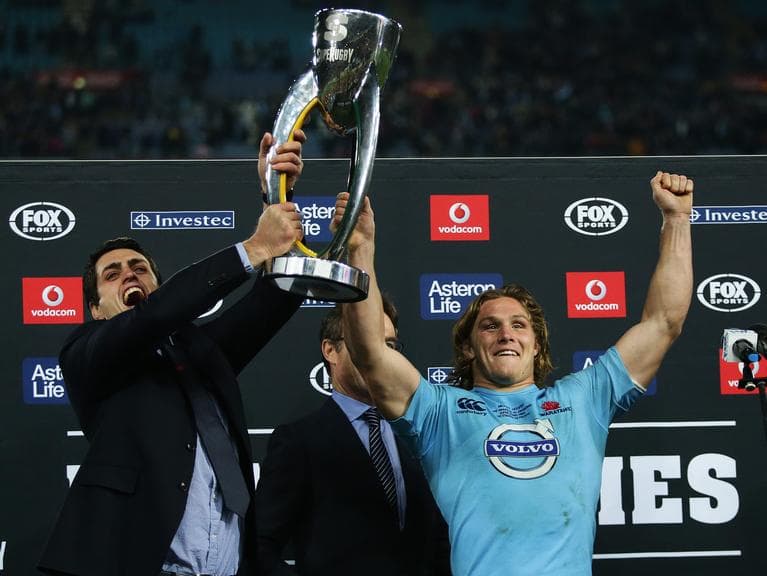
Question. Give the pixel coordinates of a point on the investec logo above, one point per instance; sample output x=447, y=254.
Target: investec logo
x=42, y=381
x=438, y=374
x=729, y=215
x=460, y=217
x=42, y=221
x=316, y=214
x=320, y=379
x=182, y=220
x=596, y=295
x=52, y=300
x=728, y=292
x=445, y=296
x=583, y=359
x=731, y=372
x=596, y=216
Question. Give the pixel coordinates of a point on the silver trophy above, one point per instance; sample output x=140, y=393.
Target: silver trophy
x=353, y=53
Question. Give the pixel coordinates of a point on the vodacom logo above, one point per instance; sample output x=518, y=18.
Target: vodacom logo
x=460, y=217
x=459, y=213
x=596, y=290
x=53, y=295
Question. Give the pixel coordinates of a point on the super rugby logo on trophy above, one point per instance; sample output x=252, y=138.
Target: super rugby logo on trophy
x=353, y=53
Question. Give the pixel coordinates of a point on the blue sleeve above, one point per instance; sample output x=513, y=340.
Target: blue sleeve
x=609, y=386
x=419, y=425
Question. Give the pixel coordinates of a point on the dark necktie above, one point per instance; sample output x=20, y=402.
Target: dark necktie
x=218, y=446
x=380, y=457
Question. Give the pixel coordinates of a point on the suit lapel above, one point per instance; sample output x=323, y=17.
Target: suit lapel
x=341, y=432
x=346, y=441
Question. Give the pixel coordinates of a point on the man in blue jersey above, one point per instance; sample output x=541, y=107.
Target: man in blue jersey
x=515, y=466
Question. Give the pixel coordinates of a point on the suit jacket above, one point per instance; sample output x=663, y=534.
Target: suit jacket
x=128, y=498
x=319, y=489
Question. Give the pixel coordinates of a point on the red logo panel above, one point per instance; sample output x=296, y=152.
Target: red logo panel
x=460, y=217
x=52, y=300
x=596, y=295
x=731, y=372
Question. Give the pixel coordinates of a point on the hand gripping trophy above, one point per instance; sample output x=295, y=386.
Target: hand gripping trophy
x=353, y=53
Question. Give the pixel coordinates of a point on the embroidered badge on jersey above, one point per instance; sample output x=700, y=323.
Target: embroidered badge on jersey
x=523, y=451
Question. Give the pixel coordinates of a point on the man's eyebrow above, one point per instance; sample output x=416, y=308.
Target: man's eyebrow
x=496, y=318
x=112, y=266
x=116, y=265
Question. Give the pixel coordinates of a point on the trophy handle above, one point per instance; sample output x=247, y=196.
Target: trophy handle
x=367, y=113
x=292, y=112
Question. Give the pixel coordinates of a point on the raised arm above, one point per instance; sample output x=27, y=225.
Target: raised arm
x=644, y=345
x=392, y=379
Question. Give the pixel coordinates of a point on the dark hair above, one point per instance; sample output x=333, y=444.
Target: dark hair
x=462, y=365
x=331, y=327
x=90, y=282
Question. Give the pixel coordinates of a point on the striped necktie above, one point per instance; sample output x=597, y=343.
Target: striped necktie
x=380, y=457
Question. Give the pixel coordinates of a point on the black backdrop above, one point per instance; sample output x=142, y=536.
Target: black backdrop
x=684, y=474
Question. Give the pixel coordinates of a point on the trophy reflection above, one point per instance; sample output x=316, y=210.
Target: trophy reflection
x=353, y=53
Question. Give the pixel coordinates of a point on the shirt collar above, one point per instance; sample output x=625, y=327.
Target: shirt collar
x=353, y=409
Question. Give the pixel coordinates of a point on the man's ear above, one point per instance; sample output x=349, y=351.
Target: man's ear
x=467, y=350
x=96, y=312
x=329, y=351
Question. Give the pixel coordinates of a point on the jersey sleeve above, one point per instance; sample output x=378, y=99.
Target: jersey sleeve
x=419, y=425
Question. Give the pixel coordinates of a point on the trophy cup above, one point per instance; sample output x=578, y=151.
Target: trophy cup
x=353, y=53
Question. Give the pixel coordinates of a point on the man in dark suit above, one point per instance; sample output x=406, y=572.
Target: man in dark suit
x=167, y=484
x=321, y=489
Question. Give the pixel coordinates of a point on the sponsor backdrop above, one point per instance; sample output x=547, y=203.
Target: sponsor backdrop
x=684, y=478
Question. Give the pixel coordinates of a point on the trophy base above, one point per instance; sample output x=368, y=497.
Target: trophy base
x=319, y=279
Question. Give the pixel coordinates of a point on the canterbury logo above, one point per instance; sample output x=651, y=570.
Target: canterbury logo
x=471, y=405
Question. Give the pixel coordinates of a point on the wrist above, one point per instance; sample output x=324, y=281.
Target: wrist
x=676, y=217
x=256, y=252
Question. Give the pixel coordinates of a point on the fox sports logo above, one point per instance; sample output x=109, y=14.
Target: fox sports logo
x=596, y=216
x=42, y=221
x=728, y=292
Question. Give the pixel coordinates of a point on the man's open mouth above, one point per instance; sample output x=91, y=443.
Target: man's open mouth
x=133, y=296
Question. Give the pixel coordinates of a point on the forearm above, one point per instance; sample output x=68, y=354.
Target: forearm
x=391, y=378
x=364, y=320
x=670, y=290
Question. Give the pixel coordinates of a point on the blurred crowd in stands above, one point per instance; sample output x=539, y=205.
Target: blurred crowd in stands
x=204, y=78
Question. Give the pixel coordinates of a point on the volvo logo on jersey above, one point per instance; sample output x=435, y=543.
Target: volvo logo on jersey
x=53, y=300
x=460, y=217
x=596, y=295
x=445, y=296
x=523, y=451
